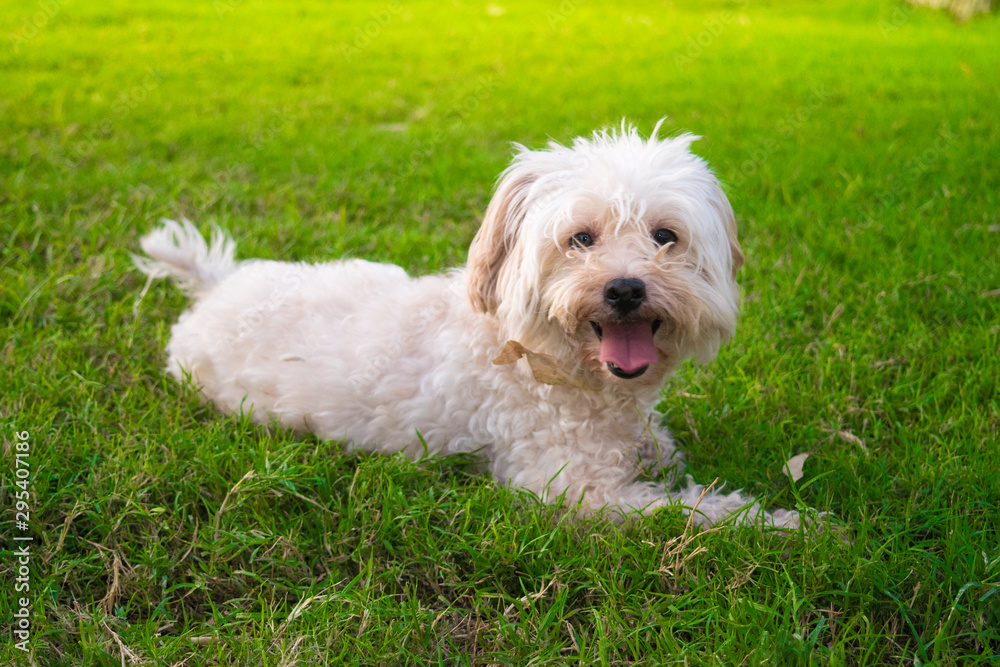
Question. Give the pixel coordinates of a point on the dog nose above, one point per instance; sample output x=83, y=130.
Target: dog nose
x=625, y=294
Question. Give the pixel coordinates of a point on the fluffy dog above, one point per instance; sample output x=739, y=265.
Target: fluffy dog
x=598, y=267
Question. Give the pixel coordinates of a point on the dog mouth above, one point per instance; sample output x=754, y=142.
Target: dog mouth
x=627, y=348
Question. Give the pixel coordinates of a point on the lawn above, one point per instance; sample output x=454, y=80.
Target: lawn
x=858, y=142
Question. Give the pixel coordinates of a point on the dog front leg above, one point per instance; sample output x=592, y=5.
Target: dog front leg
x=606, y=482
x=708, y=506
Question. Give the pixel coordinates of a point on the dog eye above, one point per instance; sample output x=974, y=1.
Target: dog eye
x=582, y=240
x=664, y=236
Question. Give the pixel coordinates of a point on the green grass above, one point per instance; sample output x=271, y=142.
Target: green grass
x=859, y=144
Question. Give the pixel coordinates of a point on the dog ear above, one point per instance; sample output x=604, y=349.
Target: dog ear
x=497, y=236
x=734, y=247
x=725, y=210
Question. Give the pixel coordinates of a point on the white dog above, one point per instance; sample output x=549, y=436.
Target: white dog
x=597, y=269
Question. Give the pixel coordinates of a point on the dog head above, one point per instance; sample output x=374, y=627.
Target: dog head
x=618, y=256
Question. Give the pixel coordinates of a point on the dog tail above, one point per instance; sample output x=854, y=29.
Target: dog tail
x=178, y=250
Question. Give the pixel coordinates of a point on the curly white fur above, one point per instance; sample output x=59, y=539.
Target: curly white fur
x=361, y=352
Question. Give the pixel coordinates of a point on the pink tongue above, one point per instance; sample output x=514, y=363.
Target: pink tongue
x=628, y=345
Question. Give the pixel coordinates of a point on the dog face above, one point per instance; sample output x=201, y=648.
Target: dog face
x=617, y=255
